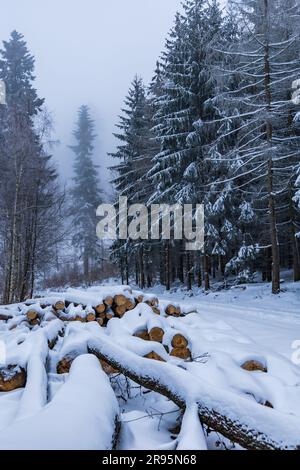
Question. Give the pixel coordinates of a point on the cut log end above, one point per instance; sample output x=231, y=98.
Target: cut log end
x=253, y=365
x=179, y=341
x=153, y=355
x=108, y=301
x=100, y=308
x=142, y=334
x=156, y=310
x=11, y=378
x=60, y=305
x=181, y=353
x=130, y=305
x=173, y=311
x=120, y=310
x=156, y=334
x=100, y=321
x=120, y=300
x=153, y=302
x=32, y=315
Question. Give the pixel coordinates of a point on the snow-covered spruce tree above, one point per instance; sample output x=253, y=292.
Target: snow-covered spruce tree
x=190, y=157
x=134, y=155
x=86, y=194
x=266, y=138
x=29, y=195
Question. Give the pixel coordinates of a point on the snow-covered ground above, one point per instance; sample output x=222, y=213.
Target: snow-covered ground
x=246, y=315
x=224, y=329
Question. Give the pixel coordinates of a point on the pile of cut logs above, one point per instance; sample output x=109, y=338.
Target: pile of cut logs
x=179, y=344
x=110, y=307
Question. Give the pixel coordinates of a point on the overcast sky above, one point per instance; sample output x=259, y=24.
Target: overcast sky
x=87, y=52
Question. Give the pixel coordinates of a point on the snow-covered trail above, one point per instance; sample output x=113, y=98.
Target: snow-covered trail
x=275, y=331
x=271, y=321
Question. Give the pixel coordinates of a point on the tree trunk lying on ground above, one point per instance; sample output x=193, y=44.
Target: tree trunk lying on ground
x=240, y=420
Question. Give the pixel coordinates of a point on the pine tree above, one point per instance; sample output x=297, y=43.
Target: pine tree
x=85, y=193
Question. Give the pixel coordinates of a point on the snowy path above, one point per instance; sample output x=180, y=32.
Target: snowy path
x=268, y=321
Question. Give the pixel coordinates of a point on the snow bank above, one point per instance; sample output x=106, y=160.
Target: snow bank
x=81, y=416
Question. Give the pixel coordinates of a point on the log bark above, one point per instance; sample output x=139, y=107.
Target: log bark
x=216, y=408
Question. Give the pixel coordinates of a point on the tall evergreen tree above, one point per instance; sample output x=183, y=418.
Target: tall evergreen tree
x=86, y=194
x=134, y=155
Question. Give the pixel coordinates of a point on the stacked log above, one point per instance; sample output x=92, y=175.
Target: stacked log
x=154, y=356
x=156, y=310
x=59, y=306
x=152, y=301
x=11, y=378
x=100, y=308
x=109, y=301
x=180, y=347
x=253, y=365
x=122, y=304
x=33, y=317
x=156, y=334
x=109, y=314
x=139, y=298
x=173, y=310
x=100, y=321
x=64, y=365
x=142, y=334
x=90, y=314
x=5, y=317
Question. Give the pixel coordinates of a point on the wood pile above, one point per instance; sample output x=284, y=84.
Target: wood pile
x=179, y=343
x=108, y=308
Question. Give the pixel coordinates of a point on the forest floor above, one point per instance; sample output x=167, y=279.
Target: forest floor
x=224, y=329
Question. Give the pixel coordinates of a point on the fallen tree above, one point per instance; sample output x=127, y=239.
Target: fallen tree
x=235, y=417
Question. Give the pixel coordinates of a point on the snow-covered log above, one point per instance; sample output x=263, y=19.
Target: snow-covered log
x=11, y=378
x=86, y=394
x=239, y=419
